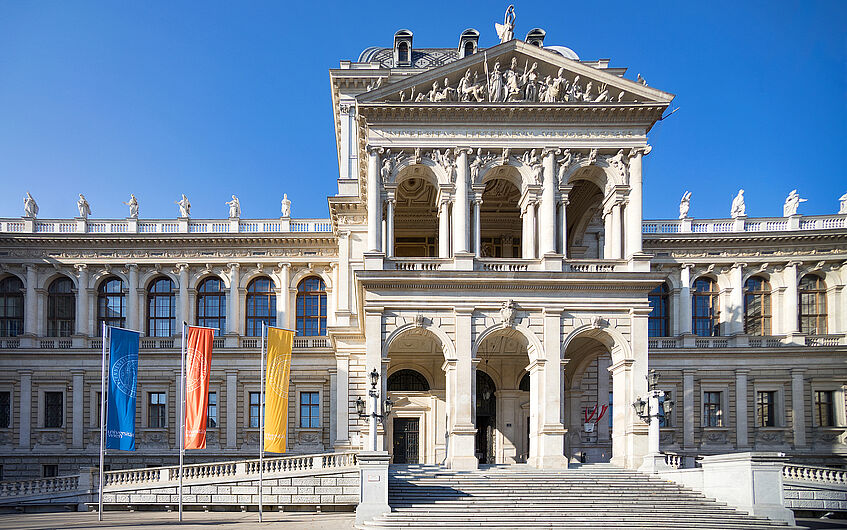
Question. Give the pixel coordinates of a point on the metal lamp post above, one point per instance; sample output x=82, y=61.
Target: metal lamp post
x=374, y=416
x=651, y=412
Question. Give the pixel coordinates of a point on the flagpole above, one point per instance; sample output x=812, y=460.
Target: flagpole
x=262, y=416
x=102, y=424
x=181, y=433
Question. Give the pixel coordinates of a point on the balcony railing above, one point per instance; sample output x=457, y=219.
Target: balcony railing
x=759, y=224
x=745, y=341
x=163, y=226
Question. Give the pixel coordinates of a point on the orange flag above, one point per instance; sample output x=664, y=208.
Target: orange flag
x=280, y=342
x=198, y=362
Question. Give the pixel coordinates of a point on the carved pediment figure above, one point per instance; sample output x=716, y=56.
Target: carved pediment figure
x=508, y=313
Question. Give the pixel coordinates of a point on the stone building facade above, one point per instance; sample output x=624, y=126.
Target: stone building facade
x=485, y=254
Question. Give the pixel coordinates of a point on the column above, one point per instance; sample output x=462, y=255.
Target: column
x=735, y=318
x=607, y=234
x=741, y=410
x=477, y=230
x=76, y=417
x=444, y=229
x=82, y=301
x=462, y=398
x=688, y=412
x=342, y=368
x=616, y=231
x=232, y=316
x=389, y=226
x=547, y=209
x=551, y=448
x=25, y=412
x=282, y=295
x=528, y=231
x=603, y=364
x=374, y=200
x=563, y=222
x=536, y=402
x=333, y=405
x=31, y=301
x=231, y=408
x=791, y=319
x=373, y=361
x=461, y=203
x=132, y=313
x=684, y=305
x=343, y=293
x=798, y=407
x=633, y=209
x=183, y=295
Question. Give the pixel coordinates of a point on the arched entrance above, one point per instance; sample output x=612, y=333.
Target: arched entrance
x=486, y=418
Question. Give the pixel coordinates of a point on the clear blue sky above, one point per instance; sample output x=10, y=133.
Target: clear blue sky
x=214, y=98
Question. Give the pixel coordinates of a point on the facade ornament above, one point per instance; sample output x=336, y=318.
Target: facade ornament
x=417, y=155
x=419, y=320
x=684, y=205
x=531, y=160
x=738, y=209
x=286, y=206
x=641, y=80
x=475, y=165
x=643, y=151
x=234, y=207
x=470, y=90
x=564, y=163
x=83, y=206
x=373, y=85
x=620, y=162
x=30, y=206
x=184, y=206
x=592, y=156
x=388, y=163
x=496, y=88
x=507, y=314
x=792, y=202
x=597, y=322
x=133, y=206
x=506, y=30
x=505, y=158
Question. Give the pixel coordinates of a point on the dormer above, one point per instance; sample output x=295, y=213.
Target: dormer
x=468, y=42
x=536, y=37
x=403, y=48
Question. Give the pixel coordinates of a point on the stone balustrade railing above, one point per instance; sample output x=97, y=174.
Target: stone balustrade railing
x=821, y=475
x=674, y=461
x=746, y=341
x=758, y=224
x=163, y=226
x=41, y=486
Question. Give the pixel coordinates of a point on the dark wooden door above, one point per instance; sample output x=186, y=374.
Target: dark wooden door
x=406, y=445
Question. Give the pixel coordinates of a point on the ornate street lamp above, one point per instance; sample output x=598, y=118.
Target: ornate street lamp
x=651, y=411
x=374, y=416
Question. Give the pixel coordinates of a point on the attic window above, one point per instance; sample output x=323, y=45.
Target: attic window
x=403, y=53
x=468, y=48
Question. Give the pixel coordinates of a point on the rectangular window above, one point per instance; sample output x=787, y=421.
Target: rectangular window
x=664, y=419
x=157, y=403
x=310, y=410
x=53, y=402
x=5, y=410
x=212, y=413
x=712, y=413
x=765, y=403
x=824, y=416
x=254, y=409
x=50, y=470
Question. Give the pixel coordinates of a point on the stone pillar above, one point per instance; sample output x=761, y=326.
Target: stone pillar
x=551, y=446
x=373, y=485
x=82, y=301
x=477, y=230
x=637, y=442
x=688, y=412
x=602, y=395
x=31, y=314
x=684, y=305
x=461, y=204
x=342, y=397
x=791, y=322
x=633, y=209
x=184, y=314
x=333, y=406
x=798, y=407
x=741, y=410
x=735, y=321
x=282, y=296
x=77, y=401
x=231, y=408
x=232, y=315
x=133, y=320
x=373, y=361
x=547, y=209
x=25, y=413
x=389, y=225
x=607, y=234
x=444, y=229
x=563, y=222
x=374, y=200
x=343, y=293
x=536, y=401
x=463, y=433
x=616, y=231
x=622, y=419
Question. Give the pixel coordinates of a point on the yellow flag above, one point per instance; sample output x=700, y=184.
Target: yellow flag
x=280, y=342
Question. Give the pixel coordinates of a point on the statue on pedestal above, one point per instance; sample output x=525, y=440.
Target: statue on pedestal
x=83, y=206
x=286, y=206
x=738, y=208
x=506, y=30
x=184, y=206
x=792, y=202
x=684, y=205
x=234, y=207
x=843, y=204
x=133, y=206
x=30, y=207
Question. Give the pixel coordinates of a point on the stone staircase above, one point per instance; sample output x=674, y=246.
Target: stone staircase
x=589, y=496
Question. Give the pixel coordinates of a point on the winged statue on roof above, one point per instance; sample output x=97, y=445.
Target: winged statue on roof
x=506, y=30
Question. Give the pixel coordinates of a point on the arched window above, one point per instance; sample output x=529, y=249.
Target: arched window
x=261, y=306
x=407, y=381
x=111, y=308
x=61, y=308
x=403, y=53
x=11, y=307
x=161, y=308
x=659, y=320
x=311, y=307
x=757, y=306
x=812, y=294
x=468, y=48
x=211, y=305
x=705, y=310
x=524, y=384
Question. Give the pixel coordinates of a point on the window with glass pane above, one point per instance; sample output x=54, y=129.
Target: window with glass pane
x=261, y=306
x=658, y=322
x=61, y=308
x=11, y=307
x=413, y=381
x=157, y=410
x=712, y=413
x=757, y=306
x=211, y=305
x=812, y=292
x=309, y=410
x=53, y=417
x=50, y=470
x=664, y=419
x=110, y=304
x=311, y=307
x=212, y=411
x=5, y=410
x=765, y=403
x=824, y=416
x=161, y=308
x=705, y=311
x=255, y=407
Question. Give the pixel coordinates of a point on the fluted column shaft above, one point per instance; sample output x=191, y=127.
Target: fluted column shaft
x=461, y=204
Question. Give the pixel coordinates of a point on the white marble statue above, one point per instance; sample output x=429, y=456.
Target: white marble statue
x=592, y=156
x=30, y=207
x=506, y=30
x=564, y=164
x=641, y=80
x=475, y=165
x=234, y=207
x=792, y=202
x=842, y=204
x=496, y=88
x=184, y=206
x=684, y=205
x=738, y=208
x=619, y=161
x=286, y=206
x=83, y=206
x=133, y=206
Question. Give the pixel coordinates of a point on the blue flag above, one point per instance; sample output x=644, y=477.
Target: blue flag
x=123, y=376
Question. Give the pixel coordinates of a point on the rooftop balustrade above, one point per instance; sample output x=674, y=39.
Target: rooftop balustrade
x=744, y=225
x=163, y=226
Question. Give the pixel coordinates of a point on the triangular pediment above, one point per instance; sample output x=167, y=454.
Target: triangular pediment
x=515, y=72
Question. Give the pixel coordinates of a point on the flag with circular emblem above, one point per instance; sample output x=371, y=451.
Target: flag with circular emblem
x=277, y=372
x=198, y=363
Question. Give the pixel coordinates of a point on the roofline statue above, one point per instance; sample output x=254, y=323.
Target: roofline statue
x=506, y=30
